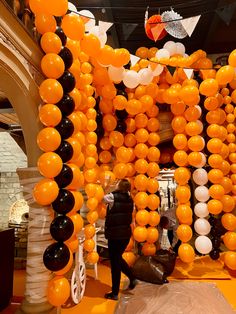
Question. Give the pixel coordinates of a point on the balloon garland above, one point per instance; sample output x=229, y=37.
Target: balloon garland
x=115, y=136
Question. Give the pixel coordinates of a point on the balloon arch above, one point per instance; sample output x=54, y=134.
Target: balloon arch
x=100, y=114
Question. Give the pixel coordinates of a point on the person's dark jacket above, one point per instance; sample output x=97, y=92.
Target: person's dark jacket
x=119, y=217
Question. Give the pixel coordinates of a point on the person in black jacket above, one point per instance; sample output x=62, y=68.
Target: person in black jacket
x=118, y=233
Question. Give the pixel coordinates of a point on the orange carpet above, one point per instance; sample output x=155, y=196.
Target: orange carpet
x=203, y=269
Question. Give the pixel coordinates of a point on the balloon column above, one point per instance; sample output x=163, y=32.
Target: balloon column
x=87, y=142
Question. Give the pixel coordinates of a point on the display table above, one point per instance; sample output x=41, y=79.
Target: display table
x=6, y=266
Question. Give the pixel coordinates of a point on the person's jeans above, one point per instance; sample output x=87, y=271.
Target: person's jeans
x=116, y=248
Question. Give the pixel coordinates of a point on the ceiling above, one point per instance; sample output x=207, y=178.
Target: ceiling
x=211, y=33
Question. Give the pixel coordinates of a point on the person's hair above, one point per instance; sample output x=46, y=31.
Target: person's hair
x=124, y=185
x=164, y=221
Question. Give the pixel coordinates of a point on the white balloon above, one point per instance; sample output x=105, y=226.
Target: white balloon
x=91, y=23
x=201, y=210
x=202, y=226
x=72, y=7
x=202, y=193
x=145, y=76
x=180, y=49
x=203, y=245
x=203, y=162
x=116, y=74
x=158, y=70
x=200, y=176
x=131, y=79
x=162, y=53
x=102, y=36
x=171, y=47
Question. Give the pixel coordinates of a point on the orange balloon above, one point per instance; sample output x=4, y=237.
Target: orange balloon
x=45, y=23
x=116, y=138
x=121, y=57
x=48, y=139
x=106, y=54
x=109, y=122
x=181, y=158
x=153, y=154
x=152, y=234
x=52, y=65
x=225, y=167
x=51, y=91
x=195, y=159
x=225, y=74
x=119, y=102
x=73, y=26
x=192, y=128
x=153, y=139
x=153, y=125
x=141, y=200
x=45, y=191
x=214, y=145
x=92, y=203
x=78, y=178
x=188, y=93
x=229, y=221
x=154, y=218
x=209, y=87
x=183, y=194
x=153, y=201
x=141, y=165
x=192, y=114
x=216, y=191
x=77, y=221
x=215, y=160
x=186, y=253
x=180, y=141
x=140, y=234
x=211, y=103
x=130, y=140
x=73, y=244
x=228, y=203
x=182, y=175
x=196, y=143
x=178, y=124
x=89, y=245
x=134, y=106
x=92, y=217
x=149, y=249
x=92, y=257
x=230, y=260
x=89, y=231
x=178, y=108
x=49, y=164
x=142, y=217
x=227, y=184
x=129, y=257
x=79, y=200
x=140, y=182
x=58, y=290
x=141, y=135
x=184, y=233
x=230, y=240
x=122, y=154
x=120, y=170
x=50, y=115
x=184, y=214
x=51, y=43
x=90, y=44
x=153, y=169
x=215, y=207
x=215, y=176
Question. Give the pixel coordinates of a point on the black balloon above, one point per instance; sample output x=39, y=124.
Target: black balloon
x=121, y=114
x=66, y=105
x=65, y=128
x=212, y=220
x=64, y=202
x=96, y=107
x=100, y=132
x=65, y=177
x=67, y=81
x=215, y=232
x=121, y=126
x=61, y=34
x=214, y=254
x=58, y=20
x=67, y=57
x=99, y=118
x=61, y=228
x=216, y=241
x=122, y=93
x=56, y=256
x=65, y=151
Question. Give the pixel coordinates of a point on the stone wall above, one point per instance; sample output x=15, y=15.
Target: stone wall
x=11, y=158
